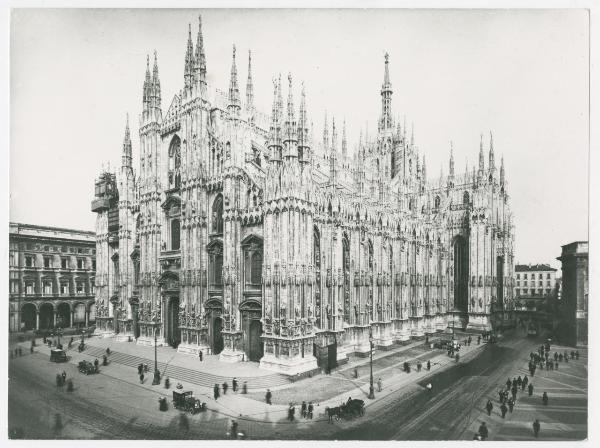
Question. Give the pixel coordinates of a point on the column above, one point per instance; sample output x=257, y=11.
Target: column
x=37, y=320
x=54, y=315
x=87, y=314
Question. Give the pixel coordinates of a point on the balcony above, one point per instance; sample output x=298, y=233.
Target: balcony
x=100, y=205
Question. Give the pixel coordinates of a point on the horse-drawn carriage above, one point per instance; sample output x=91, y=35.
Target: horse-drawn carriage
x=352, y=408
x=185, y=401
x=87, y=367
x=58, y=355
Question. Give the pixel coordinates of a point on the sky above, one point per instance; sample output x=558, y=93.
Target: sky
x=456, y=74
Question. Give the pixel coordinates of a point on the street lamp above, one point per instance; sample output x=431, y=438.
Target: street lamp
x=371, y=389
x=156, y=319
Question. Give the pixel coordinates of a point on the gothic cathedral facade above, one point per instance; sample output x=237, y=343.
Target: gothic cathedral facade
x=242, y=235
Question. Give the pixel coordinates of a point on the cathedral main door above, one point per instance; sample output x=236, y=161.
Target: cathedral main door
x=173, y=322
x=217, y=335
x=255, y=349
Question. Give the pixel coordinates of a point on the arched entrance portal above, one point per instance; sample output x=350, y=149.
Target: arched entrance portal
x=217, y=335
x=63, y=315
x=28, y=316
x=46, y=316
x=255, y=351
x=461, y=273
x=173, y=335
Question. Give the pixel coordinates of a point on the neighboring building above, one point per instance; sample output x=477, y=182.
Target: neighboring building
x=574, y=288
x=51, y=277
x=534, y=280
x=247, y=237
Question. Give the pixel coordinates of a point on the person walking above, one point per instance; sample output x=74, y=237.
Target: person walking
x=234, y=384
x=379, y=385
x=519, y=381
x=355, y=372
x=419, y=366
x=489, y=406
x=545, y=398
x=511, y=404
x=483, y=431
x=107, y=351
x=142, y=378
x=536, y=428
x=310, y=410
x=503, y=410
x=577, y=355
x=200, y=355
x=140, y=369
x=96, y=363
x=303, y=409
x=514, y=392
x=268, y=396
x=245, y=387
x=291, y=412
x=500, y=395
x=216, y=391
x=478, y=340
x=225, y=387
x=428, y=364
x=530, y=389
x=508, y=383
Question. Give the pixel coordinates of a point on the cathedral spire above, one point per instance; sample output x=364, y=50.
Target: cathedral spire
x=290, y=138
x=200, y=55
x=502, y=171
x=451, y=160
x=234, y=91
x=147, y=97
x=326, y=134
x=481, y=161
x=156, y=98
x=424, y=171
x=188, y=73
x=412, y=134
x=385, y=121
x=491, y=154
x=344, y=141
x=126, y=159
x=249, y=85
x=275, y=128
x=303, y=137
x=334, y=138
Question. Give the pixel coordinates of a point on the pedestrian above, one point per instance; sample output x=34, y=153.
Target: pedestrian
x=216, y=391
x=200, y=355
x=514, y=392
x=142, y=378
x=140, y=369
x=107, y=351
x=70, y=385
x=577, y=355
x=519, y=381
x=500, y=395
x=268, y=396
x=530, y=389
x=536, y=428
x=555, y=356
x=429, y=387
x=167, y=383
x=379, y=385
x=508, y=383
x=59, y=380
x=514, y=382
x=469, y=340
x=145, y=368
x=478, y=340
x=96, y=363
x=234, y=384
x=225, y=387
x=234, y=429
x=64, y=376
x=104, y=360
x=503, y=410
x=457, y=357
x=303, y=409
x=428, y=364
x=483, y=431
x=560, y=357
x=426, y=339
x=419, y=366
x=511, y=405
x=545, y=398
x=310, y=410
x=489, y=406
x=355, y=372
x=525, y=381
x=572, y=354
x=566, y=357
x=291, y=412
x=245, y=388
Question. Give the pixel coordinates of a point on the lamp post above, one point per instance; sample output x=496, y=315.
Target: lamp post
x=371, y=388
x=156, y=319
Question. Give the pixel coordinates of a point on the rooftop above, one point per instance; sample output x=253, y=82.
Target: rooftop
x=533, y=267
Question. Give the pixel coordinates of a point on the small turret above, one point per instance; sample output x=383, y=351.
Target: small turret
x=274, y=144
x=188, y=72
x=290, y=137
x=156, y=97
x=303, y=136
x=344, y=142
x=333, y=138
x=502, y=171
x=200, y=63
x=127, y=156
x=249, y=85
x=325, y=134
x=147, y=96
x=492, y=166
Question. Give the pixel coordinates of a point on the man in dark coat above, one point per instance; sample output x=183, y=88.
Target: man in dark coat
x=511, y=404
x=530, y=389
x=545, y=399
x=488, y=407
x=234, y=384
x=225, y=386
x=268, y=396
x=508, y=383
x=536, y=427
x=428, y=365
x=216, y=391
x=303, y=409
x=519, y=381
x=310, y=409
x=503, y=410
x=483, y=431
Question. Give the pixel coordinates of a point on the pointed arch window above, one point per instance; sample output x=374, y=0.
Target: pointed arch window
x=217, y=215
x=175, y=163
x=175, y=234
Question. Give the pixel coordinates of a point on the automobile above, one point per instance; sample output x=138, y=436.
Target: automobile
x=58, y=355
x=185, y=401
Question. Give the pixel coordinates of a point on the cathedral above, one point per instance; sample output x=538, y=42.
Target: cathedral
x=242, y=235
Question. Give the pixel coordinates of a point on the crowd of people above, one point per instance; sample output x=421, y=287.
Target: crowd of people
x=507, y=395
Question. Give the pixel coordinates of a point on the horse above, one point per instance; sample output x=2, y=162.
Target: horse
x=333, y=412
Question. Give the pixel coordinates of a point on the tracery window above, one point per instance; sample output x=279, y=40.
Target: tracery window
x=217, y=215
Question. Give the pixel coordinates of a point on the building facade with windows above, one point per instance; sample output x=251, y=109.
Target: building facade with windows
x=243, y=235
x=534, y=280
x=51, y=277
x=575, y=288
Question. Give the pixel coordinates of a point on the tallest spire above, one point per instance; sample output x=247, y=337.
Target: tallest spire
x=188, y=72
x=385, y=121
x=155, y=84
x=249, y=84
x=200, y=66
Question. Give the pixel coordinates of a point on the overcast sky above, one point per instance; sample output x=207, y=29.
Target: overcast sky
x=522, y=74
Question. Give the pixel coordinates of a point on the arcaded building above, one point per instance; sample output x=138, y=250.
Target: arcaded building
x=244, y=235
x=51, y=277
x=575, y=290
